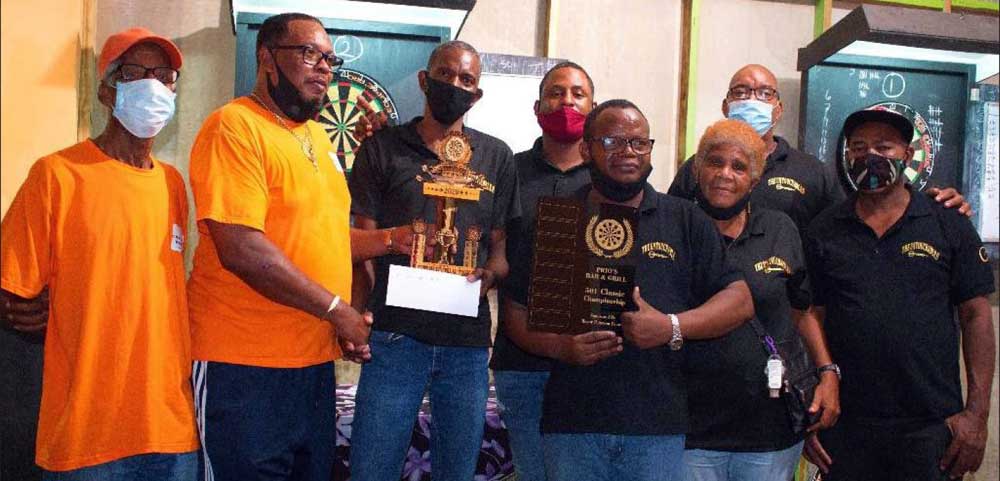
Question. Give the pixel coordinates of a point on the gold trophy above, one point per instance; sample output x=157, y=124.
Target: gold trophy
x=448, y=182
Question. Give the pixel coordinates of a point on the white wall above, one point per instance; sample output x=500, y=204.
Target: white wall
x=739, y=32
x=510, y=27
x=631, y=53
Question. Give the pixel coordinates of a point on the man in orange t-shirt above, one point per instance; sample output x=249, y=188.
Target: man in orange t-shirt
x=271, y=288
x=102, y=223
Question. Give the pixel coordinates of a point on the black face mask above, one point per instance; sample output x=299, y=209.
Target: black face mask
x=720, y=213
x=614, y=190
x=448, y=103
x=289, y=99
x=874, y=171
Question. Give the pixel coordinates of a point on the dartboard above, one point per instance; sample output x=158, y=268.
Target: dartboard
x=341, y=113
x=918, y=170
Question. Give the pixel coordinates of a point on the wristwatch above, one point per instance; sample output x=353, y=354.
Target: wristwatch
x=676, y=339
x=389, y=248
x=829, y=367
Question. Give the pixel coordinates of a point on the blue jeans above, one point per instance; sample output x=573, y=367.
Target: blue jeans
x=612, y=457
x=520, y=395
x=390, y=391
x=704, y=465
x=143, y=467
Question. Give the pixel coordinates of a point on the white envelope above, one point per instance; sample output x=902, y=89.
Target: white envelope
x=434, y=291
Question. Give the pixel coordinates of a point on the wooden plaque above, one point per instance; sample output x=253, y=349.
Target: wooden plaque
x=584, y=272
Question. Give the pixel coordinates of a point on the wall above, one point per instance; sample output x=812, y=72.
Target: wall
x=202, y=29
x=514, y=28
x=631, y=53
x=645, y=52
x=38, y=78
x=734, y=33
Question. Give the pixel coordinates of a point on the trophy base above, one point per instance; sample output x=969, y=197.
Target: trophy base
x=449, y=268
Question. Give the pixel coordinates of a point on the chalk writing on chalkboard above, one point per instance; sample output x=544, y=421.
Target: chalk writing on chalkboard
x=935, y=125
x=348, y=47
x=990, y=195
x=893, y=85
x=826, y=124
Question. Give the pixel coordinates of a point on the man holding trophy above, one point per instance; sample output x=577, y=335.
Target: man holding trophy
x=621, y=263
x=457, y=189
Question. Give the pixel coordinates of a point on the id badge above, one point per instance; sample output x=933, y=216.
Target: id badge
x=775, y=371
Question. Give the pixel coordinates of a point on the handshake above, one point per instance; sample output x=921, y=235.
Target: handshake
x=352, y=329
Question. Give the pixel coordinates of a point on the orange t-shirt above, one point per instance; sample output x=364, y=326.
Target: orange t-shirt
x=108, y=240
x=247, y=169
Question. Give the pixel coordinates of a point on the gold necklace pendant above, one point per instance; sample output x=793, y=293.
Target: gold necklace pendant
x=304, y=142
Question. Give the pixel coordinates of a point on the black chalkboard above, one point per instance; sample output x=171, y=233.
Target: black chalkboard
x=933, y=95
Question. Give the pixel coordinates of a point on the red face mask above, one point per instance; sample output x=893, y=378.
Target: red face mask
x=564, y=125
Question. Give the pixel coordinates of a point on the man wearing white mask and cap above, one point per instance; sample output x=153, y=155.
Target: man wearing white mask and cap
x=102, y=224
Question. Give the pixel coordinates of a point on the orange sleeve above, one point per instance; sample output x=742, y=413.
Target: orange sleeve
x=228, y=178
x=25, y=235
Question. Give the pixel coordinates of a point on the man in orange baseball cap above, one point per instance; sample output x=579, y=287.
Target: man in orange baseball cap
x=102, y=223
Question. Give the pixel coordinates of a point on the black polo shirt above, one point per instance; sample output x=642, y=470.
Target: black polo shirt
x=681, y=262
x=793, y=182
x=384, y=187
x=537, y=178
x=890, y=306
x=727, y=392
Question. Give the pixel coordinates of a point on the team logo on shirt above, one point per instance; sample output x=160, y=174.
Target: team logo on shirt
x=659, y=250
x=785, y=183
x=608, y=237
x=983, y=255
x=771, y=265
x=920, y=249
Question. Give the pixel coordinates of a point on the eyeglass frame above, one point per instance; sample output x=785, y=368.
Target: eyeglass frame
x=624, y=142
x=753, y=92
x=145, y=74
x=331, y=59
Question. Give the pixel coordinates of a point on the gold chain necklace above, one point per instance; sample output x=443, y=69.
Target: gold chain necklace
x=305, y=142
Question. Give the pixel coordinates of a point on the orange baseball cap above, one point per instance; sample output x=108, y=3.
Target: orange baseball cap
x=120, y=42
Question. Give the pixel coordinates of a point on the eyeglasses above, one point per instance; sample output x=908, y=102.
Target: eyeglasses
x=311, y=55
x=131, y=72
x=743, y=92
x=617, y=144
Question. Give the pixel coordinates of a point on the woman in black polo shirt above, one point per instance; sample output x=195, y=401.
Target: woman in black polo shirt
x=737, y=431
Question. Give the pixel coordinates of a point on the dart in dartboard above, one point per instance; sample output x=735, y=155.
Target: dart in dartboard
x=341, y=112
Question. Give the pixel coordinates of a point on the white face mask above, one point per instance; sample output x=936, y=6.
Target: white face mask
x=144, y=106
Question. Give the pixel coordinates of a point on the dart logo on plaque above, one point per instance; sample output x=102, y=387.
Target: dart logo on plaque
x=584, y=270
x=449, y=182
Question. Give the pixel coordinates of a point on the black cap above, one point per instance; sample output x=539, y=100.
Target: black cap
x=894, y=119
